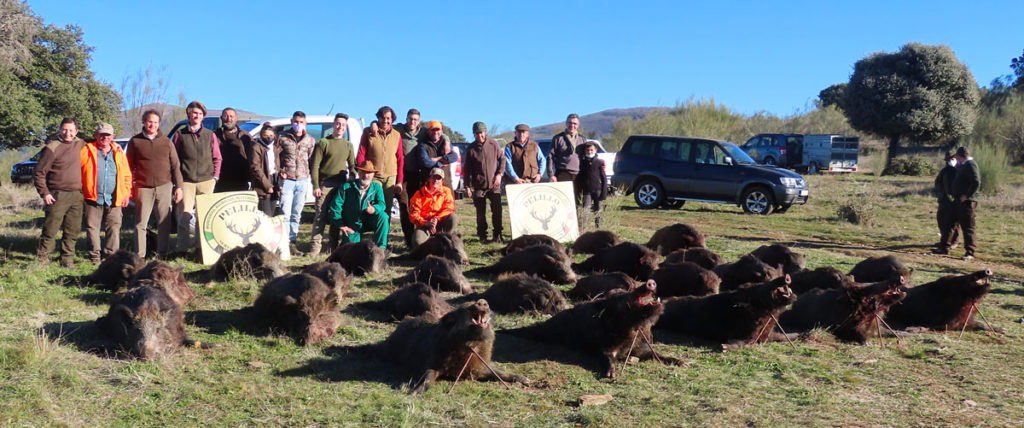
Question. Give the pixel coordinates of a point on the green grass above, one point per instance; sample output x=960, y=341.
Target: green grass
x=48, y=376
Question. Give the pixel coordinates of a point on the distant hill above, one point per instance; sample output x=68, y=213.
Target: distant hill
x=600, y=123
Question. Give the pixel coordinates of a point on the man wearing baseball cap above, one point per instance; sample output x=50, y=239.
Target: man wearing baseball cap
x=358, y=207
x=432, y=209
x=106, y=187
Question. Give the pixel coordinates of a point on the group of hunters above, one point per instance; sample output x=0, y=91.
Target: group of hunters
x=353, y=191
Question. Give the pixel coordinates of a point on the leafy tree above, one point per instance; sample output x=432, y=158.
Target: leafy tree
x=1017, y=64
x=17, y=26
x=54, y=82
x=832, y=95
x=921, y=92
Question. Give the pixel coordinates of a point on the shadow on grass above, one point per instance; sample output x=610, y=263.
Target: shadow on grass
x=1019, y=291
x=97, y=297
x=351, y=363
x=221, y=321
x=200, y=276
x=509, y=348
x=672, y=338
x=83, y=335
x=77, y=281
x=22, y=245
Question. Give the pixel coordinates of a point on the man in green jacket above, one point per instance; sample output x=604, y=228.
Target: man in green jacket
x=358, y=207
x=334, y=160
x=965, y=192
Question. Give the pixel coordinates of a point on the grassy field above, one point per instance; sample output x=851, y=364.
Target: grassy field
x=49, y=376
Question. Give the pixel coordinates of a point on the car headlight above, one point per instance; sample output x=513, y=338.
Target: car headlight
x=789, y=181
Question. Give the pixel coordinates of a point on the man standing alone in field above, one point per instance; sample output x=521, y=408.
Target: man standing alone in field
x=949, y=230
x=234, y=147
x=483, y=169
x=156, y=172
x=59, y=183
x=333, y=162
x=106, y=186
x=199, y=155
x=965, y=190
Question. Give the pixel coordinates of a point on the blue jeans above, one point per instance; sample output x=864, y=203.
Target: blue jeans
x=293, y=198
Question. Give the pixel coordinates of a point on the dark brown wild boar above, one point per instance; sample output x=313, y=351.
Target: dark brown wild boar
x=517, y=293
x=850, y=314
x=116, y=271
x=600, y=285
x=440, y=273
x=541, y=260
x=433, y=348
x=595, y=241
x=685, y=279
x=674, y=237
x=634, y=260
x=360, y=258
x=778, y=254
x=874, y=269
x=251, y=261
x=703, y=257
x=735, y=318
x=302, y=305
x=748, y=269
x=947, y=303
x=412, y=300
x=609, y=326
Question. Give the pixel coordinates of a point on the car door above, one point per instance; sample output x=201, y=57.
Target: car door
x=672, y=160
x=713, y=178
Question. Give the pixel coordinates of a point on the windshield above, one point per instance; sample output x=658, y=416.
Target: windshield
x=249, y=126
x=738, y=155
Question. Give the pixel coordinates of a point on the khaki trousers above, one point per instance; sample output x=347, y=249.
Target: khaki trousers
x=148, y=201
x=186, y=212
x=107, y=217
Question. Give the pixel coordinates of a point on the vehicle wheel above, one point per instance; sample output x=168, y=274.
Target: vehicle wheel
x=769, y=161
x=758, y=200
x=812, y=168
x=649, y=194
x=674, y=204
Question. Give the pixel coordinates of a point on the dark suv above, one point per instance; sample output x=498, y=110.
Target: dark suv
x=785, y=150
x=668, y=171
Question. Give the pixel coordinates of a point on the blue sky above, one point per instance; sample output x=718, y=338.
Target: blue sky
x=527, y=61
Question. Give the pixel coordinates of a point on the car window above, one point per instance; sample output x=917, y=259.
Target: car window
x=702, y=152
x=762, y=142
x=718, y=155
x=793, y=139
x=674, y=150
x=642, y=147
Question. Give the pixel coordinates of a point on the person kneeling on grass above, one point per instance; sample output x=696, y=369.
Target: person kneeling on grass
x=432, y=209
x=358, y=207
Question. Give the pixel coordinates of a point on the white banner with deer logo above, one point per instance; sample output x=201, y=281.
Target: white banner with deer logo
x=233, y=219
x=543, y=208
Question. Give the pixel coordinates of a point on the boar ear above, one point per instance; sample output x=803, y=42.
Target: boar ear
x=290, y=301
x=852, y=278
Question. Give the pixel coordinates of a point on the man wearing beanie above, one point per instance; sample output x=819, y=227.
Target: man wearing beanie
x=483, y=167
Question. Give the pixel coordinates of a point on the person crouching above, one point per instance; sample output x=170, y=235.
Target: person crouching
x=432, y=209
x=358, y=207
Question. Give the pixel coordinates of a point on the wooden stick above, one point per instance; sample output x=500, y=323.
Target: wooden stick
x=889, y=327
x=783, y=332
x=650, y=345
x=878, y=327
x=628, y=353
x=486, y=364
x=761, y=332
x=468, y=357
x=968, y=318
x=984, y=318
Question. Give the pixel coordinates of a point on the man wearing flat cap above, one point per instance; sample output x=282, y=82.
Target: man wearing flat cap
x=483, y=166
x=106, y=187
x=524, y=163
x=432, y=209
x=965, y=191
x=358, y=207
